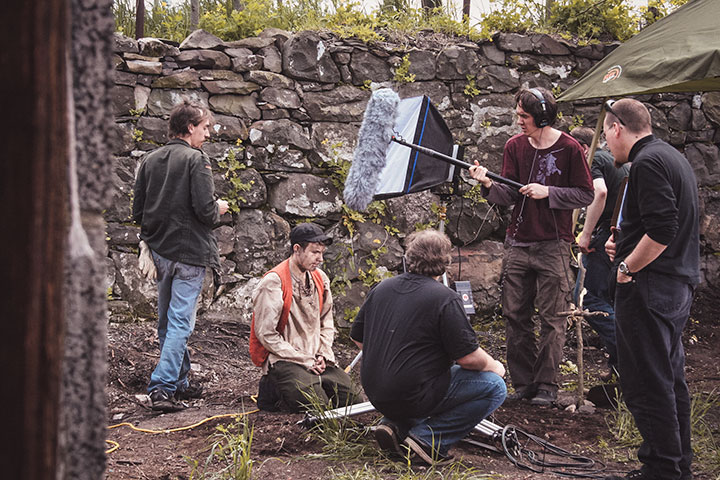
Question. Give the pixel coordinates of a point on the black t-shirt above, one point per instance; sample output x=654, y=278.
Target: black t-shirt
x=412, y=329
x=603, y=166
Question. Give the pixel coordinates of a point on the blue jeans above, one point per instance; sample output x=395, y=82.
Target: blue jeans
x=179, y=286
x=651, y=313
x=471, y=397
x=597, y=273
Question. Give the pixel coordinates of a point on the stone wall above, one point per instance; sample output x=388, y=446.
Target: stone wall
x=287, y=110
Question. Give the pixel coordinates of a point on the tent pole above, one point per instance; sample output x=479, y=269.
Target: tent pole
x=591, y=151
x=598, y=132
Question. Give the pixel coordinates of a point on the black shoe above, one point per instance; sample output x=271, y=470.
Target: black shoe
x=633, y=475
x=162, y=401
x=543, y=398
x=423, y=453
x=521, y=393
x=386, y=434
x=192, y=391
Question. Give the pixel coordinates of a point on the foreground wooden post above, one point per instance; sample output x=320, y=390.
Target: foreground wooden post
x=33, y=187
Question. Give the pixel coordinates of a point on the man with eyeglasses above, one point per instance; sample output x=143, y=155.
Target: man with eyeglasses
x=556, y=179
x=656, y=251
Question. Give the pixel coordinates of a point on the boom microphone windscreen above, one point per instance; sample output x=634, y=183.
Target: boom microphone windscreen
x=369, y=158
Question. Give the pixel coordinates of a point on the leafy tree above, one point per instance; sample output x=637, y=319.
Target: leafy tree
x=593, y=19
x=657, y=9
x=235, y=19
x=510, y=16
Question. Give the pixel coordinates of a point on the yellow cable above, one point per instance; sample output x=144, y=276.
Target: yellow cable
x=115, y=446
x=171, y=430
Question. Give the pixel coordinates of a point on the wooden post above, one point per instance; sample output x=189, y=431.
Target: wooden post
x=578, y=330
x=139, y=19
x=33, y=185
x=194, y=14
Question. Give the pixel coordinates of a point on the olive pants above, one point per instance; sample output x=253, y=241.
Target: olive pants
x=293, y=383
x=535, y=278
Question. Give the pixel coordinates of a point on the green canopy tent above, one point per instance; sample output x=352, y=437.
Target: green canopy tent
x=678, y=53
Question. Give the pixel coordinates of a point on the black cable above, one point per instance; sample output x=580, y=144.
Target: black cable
x=525, y=458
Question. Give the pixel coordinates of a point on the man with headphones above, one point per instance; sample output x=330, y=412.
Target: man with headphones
x=536, y=273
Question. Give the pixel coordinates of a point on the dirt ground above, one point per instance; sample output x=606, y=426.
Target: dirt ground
x=282, y=449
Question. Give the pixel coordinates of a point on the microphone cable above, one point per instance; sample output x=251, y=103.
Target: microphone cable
x=530, y=452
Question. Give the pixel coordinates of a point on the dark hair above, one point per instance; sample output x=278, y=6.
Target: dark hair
x=635, y=115
x=532, y=105
x=185, y=114
x=428, y=253
x=303, y=246
x=583, y=135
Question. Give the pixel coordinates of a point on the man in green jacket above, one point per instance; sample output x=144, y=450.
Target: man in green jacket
x=175, y=207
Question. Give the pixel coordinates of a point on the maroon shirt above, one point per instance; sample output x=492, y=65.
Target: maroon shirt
x=562, y=167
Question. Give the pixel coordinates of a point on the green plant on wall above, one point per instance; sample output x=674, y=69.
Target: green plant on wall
x=350, y=218
x=336, y=166
x=232, y=168
x=349, y=314
x=402, y=74
x=577, y=121
x=372, y=273
x=475, y=194
x=471, y=89
x=439, y=211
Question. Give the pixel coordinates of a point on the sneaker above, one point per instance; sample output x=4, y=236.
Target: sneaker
x=162, y=401
x=192, y=391
x=633, y=475
x=543, y=398
x=521, y=393
x=425, y=453
x=387, y=436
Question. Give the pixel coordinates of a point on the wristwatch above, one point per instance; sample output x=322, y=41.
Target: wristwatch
x=624, y=269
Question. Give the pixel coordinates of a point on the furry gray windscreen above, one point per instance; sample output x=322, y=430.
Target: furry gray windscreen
x=369, y=157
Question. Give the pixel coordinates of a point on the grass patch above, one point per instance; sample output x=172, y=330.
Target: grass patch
x=704, y=423
x=229, y=456
x=705, y=429
x=344, y=440
x=455, y=471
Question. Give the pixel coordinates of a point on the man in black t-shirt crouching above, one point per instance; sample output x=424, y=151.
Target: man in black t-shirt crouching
x=422, y=367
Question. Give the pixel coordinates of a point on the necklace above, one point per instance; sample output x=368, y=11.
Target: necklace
x=305, y=287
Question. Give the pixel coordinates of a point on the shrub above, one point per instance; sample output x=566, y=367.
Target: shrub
x=591, y=19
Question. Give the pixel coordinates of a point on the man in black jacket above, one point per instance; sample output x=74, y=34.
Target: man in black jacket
x=657, y=257
x=175, y=207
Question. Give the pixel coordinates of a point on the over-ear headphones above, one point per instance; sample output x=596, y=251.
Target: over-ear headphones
x=541, y=120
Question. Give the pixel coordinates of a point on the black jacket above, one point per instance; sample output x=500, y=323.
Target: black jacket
x=175, y=206
x=662, y=202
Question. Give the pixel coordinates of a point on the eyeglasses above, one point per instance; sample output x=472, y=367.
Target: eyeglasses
x=608, y=108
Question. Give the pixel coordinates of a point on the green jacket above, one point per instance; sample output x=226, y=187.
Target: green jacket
x=175, y=206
